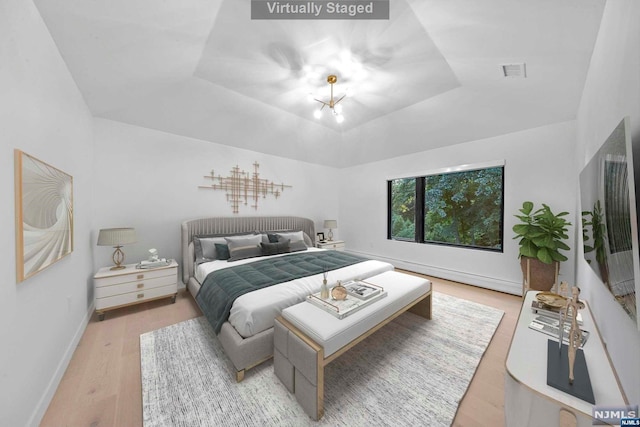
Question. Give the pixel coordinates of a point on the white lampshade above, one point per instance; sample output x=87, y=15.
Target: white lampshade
x=330, y=223
x=117, y=236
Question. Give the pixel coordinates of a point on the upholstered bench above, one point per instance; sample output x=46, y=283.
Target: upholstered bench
x=307, y=338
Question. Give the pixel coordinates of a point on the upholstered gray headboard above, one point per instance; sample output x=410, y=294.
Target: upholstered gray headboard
x=230, y=225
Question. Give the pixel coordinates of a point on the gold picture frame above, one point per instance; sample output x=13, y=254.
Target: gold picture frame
x=44, y=215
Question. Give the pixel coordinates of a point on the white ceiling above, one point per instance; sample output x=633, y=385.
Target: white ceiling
x=428, y=77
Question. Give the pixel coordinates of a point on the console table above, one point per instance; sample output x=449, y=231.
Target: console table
x=529, y=401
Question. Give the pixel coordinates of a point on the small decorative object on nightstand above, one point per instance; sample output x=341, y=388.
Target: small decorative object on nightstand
x=336, y=245
x=330, y=224
x=129, y=285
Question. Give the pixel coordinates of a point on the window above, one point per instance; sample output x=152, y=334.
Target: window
x=403, y=208
x=461, y=208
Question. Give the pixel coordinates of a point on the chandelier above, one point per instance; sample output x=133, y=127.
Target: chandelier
x=332, y=104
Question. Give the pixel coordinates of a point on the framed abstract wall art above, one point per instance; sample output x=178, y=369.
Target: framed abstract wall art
x=44, y=215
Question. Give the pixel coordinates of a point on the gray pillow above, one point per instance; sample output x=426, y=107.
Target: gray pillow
x=296, y=240
x=239, y=241
x=244, y=252
x=297, y=246
x=293, y=236
x=242, y=247
x=205, y=248
x=275, y=248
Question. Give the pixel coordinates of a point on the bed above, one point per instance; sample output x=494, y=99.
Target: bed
x=247, y=334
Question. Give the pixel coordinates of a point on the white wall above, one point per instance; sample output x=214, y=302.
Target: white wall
x=612, y=91
x=149, y=180
x=42, y=114
x=538, y=167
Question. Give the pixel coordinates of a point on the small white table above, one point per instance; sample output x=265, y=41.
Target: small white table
x=131, y=285
x=529, y=401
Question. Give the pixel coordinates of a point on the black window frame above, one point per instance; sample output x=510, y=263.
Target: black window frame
x=420, y=210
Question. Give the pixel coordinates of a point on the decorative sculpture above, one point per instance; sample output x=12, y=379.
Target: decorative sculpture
x=241, y=186
x=575, y=333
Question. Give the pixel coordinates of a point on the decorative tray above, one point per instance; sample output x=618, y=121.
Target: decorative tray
x=552, y=300
x=154, y=264
x=342, y=308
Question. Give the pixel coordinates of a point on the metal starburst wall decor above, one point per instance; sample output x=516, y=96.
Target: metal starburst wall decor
x=243, y=187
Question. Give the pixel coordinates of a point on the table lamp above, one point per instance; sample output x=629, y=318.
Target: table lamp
x=330, y=224
x=117, y=237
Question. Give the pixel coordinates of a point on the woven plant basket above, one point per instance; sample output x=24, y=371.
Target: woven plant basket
x=537, y=275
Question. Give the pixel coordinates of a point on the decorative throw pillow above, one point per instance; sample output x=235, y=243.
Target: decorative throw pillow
x=241, y=247
x=244, y=252
x=273, y=238
x=222, y=251
x=275, y=248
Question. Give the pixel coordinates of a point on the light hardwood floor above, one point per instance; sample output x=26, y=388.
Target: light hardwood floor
x=102, y=386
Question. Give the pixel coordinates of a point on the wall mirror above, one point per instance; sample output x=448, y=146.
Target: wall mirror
x=609, y=220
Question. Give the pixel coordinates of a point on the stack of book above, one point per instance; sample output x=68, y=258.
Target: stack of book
x=538, y=307
x=363, y=290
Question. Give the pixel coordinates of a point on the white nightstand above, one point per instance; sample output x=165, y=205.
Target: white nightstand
x=336, y=245
x=118, y=288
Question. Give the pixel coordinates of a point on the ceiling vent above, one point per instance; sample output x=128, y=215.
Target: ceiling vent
x=514, y=70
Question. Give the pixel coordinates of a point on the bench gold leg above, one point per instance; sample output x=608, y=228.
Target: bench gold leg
x=239, y=376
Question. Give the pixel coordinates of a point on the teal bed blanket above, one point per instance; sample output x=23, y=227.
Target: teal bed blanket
x=222, y=287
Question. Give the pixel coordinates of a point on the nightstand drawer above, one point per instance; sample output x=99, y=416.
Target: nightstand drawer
x=137, y=275
x=133, y=297
x=138, y=285
x=337, y=245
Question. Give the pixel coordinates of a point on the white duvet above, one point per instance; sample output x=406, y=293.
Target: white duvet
x=255, y=311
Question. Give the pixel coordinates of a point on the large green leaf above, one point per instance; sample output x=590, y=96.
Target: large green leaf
x=557, y=256
x=544, y=255
x=528, y=249
x=527, y=207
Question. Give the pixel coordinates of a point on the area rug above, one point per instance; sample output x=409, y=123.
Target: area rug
x=411, y=372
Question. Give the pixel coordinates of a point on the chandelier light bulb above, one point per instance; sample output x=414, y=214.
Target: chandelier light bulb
x=333, y=104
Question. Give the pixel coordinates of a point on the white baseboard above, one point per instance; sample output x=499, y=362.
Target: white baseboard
x=45, y=399
x=492, y=283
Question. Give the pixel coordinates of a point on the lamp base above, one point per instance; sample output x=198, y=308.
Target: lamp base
x=118, y=259
x=330, y=236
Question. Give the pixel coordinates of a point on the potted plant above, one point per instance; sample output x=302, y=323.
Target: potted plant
x=594, y=220
x=542, y=235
